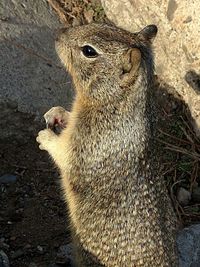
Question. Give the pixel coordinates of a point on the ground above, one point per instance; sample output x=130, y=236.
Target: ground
x=33, y=218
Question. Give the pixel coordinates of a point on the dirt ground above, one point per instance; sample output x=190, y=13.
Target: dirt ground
x=33, y=217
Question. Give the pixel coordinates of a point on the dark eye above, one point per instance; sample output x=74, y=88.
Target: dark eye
x=89, y=51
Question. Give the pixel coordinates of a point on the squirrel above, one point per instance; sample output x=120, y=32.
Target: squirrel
x=120, y=211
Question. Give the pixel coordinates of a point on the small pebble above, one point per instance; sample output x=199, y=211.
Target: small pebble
x=183, y=196
x=17, y=254
x=4, y=262
x=40, y=249
x=27, y=246
x=3, y=245
x=64, y=255
x=7, y=179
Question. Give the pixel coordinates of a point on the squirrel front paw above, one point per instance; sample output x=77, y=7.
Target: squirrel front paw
x=46, y=139
x=56, y=119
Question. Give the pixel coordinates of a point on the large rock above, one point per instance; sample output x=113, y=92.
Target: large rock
x=177, y=45
x=32, y=77
x=188, y=243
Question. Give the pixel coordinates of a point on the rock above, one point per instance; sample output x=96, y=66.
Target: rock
x=183, y=196
x=27, y=246
x=188, y=242
x=40, y=249
x=196, y=194
x=3, y=244
x=176, y=45
x=17, y=254
x=7, y=179
x=66, y=250
x=4, y=262
x=32, y=264
x=64, y=255
x=31, y=73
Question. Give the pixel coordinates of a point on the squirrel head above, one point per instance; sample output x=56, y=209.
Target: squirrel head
x=105, y=60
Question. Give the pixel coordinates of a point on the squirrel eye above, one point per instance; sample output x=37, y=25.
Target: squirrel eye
x=89, y=51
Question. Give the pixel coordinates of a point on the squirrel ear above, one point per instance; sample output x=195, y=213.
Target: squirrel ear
x=130, y=65
x=148, y=33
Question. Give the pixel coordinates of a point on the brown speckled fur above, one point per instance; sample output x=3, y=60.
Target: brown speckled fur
x=119, y=207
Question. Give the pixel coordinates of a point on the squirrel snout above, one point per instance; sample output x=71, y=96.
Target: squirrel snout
x=59, y=32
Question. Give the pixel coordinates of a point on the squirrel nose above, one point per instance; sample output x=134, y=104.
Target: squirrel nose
x=59, y=32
